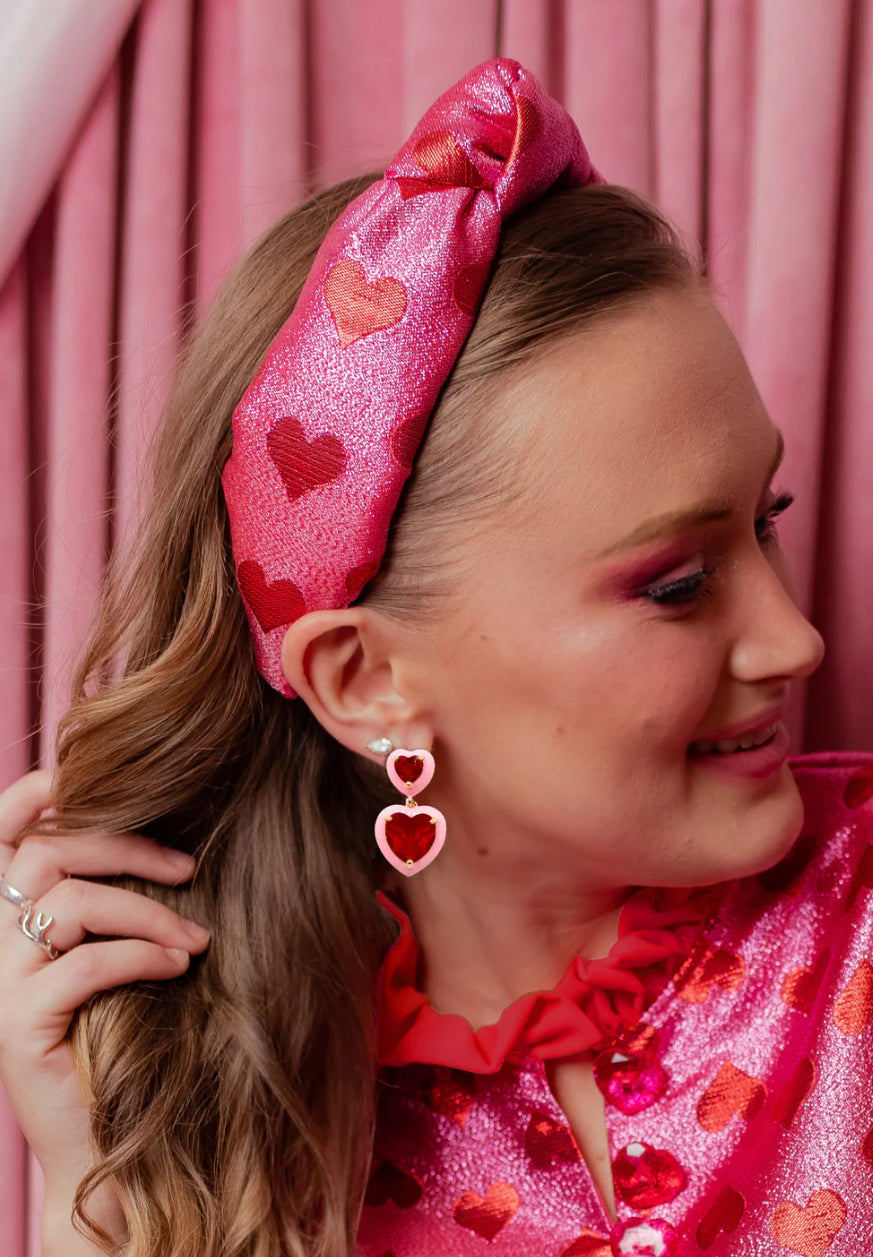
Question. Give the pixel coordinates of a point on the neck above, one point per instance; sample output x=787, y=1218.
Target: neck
x=488, y=936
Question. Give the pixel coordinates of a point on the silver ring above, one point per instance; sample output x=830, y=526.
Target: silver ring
x=38, y=935
x=13, y=895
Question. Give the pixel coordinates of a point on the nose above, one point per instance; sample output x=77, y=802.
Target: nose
x=773, y=637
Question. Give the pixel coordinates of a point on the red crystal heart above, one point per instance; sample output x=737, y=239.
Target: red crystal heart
x=360, y=306
x=646, y=1176
x=408, y=768
x=410, y=834
x=273, y=605
x=303, y=464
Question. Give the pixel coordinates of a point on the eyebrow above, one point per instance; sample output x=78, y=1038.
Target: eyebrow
x=676, y=521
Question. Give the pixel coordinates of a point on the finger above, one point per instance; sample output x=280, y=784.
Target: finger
x=63, y=984
x=43, y=860
x=81, y=908
x=21, y=804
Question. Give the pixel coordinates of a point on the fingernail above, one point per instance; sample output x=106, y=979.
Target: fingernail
x=177, y=955
x=180, y=858
x=196, y=931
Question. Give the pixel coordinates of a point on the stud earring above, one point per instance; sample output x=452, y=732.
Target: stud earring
x=410, y=837
x=381, y=746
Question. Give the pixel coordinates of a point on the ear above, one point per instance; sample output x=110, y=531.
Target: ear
x=347, y=666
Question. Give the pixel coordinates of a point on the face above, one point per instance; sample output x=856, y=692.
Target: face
x=593, y=641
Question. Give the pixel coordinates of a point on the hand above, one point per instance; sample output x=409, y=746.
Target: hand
x=36, y=1064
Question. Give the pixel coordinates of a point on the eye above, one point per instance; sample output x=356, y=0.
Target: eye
x=765, y=525
x=688, y=590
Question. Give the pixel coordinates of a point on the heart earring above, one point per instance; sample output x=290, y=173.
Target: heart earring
x=410, y=837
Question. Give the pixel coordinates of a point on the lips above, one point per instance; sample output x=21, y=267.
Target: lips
x=742, y=735
x=728, y=746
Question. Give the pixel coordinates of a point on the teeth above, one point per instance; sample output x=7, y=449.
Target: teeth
x=725, y=746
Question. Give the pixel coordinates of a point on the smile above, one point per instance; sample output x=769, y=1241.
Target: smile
x=730, y=746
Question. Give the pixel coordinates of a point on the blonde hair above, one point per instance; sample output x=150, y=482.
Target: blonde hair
x=233, y=1107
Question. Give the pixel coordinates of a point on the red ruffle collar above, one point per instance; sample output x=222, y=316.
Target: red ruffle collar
x=595, y=1001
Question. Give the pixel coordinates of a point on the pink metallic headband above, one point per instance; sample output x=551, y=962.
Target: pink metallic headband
x=325, y=435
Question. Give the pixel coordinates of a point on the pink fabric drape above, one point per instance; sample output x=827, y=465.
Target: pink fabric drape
x=159, y=156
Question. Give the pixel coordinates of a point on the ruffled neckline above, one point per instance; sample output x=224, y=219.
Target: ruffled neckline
x=592, y=1005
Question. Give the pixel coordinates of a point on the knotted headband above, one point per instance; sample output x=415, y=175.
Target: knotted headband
x=325, y=435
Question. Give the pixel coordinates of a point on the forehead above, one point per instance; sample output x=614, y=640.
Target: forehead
x=648, y=411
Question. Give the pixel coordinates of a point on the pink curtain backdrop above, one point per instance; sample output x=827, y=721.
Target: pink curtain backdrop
x=146, y=143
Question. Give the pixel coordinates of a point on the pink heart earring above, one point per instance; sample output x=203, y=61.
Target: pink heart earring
x=410, y=837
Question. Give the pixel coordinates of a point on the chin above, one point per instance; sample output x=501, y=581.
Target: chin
x=777, y=829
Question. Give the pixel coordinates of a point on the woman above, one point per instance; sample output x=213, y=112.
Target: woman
x=607, y=991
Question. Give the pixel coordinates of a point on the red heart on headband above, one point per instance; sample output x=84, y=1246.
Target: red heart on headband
x=528, y=127
x=405, y=438
x=279, y=603
x=445, y=164
x=469, y=285
x=304, y=465
x=357, y=578
x=360, y=306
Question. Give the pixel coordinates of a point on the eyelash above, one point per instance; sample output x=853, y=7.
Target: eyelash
x=695, y=588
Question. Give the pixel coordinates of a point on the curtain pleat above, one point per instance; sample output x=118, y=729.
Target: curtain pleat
x=731, y=103
x=15, y=603
x=77, y=456
x=355, y=86
x=609, y=79
x=680, y=88
x=749, y=121
x=272, y=111
x=154, y=212
x=841, y=692
x=532, y=31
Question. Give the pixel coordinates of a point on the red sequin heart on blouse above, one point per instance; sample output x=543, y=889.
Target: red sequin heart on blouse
x=809, y=1230
x=487, y=1215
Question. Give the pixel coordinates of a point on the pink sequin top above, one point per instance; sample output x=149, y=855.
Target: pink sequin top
x=739, y=1108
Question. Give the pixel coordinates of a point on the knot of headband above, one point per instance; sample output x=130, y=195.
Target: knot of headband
x=326, y=433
